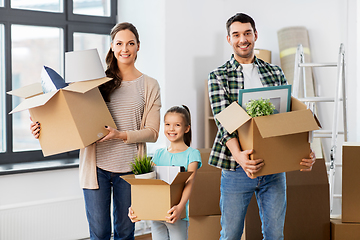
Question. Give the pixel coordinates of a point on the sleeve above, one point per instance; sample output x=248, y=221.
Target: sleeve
x=156, y=157
x=195, y=157
x=150, y=132
x=219, y=100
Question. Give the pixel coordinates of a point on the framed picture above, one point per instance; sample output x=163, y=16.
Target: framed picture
x=280, y=96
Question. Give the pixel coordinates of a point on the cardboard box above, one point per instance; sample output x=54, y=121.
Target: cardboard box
x=350, y=182
x=263, y=54
x=344, y=231
x=151, y=199
x=205, y=196
x=204, y=228
x=71, y=118
x=308, y=208
x=282, y=140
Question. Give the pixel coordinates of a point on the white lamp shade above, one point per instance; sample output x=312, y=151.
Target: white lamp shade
x=83, y=66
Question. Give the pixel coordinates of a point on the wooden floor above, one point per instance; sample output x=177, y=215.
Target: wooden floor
x=144, y=237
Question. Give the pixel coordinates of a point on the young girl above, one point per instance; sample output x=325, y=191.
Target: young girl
x=178, y=130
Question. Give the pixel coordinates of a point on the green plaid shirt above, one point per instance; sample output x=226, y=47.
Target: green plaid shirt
x=224, y=84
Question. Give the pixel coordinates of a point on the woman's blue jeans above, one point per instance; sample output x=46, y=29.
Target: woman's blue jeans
x=236, y=192
x=98, y=201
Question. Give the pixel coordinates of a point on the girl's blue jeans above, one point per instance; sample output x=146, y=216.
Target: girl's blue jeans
x=236, y=192
x=98, y=201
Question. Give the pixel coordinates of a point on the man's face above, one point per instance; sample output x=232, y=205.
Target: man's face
x=242, y=38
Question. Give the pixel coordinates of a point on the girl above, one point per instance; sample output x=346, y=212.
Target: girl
x=178, y=130
x=133, y=100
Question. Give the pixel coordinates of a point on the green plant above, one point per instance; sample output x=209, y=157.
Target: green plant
x=142, y=165
x=260, y=107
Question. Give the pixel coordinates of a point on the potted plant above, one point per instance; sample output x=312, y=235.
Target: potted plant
x=260, y=107
x=142, y=167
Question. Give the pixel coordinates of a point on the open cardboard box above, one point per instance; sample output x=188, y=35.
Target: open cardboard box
x=71, y=118
x=308, y=207
x=205, y=196
x=281, y=140
x=151, y=199
x=74, y=116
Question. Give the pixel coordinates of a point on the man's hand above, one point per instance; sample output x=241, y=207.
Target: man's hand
x=308, y=162
x=249, y=166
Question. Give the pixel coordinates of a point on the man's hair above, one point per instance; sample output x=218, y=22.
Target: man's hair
x=240, y=17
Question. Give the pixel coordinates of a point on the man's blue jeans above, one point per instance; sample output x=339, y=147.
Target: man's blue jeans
x=98, y=201
x=236, y=192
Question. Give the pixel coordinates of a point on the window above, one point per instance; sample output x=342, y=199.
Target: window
x=92, y=7
x=38, y=5
x=2, y=91
x=34, y=34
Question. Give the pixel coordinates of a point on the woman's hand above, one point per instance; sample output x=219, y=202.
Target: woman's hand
x=35, y=129
x=113, y=134
x=132, y=216
x=308, y=162
x=175, y=212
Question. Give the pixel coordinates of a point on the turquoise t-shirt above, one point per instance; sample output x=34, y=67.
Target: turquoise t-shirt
x=163, y=157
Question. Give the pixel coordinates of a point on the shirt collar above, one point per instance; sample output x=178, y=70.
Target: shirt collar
x=236, y=65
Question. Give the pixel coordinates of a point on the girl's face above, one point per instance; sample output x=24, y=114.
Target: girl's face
x=175, y=127
x=125, y=47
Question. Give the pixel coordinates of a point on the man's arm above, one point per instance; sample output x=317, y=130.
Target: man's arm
x=242, y=158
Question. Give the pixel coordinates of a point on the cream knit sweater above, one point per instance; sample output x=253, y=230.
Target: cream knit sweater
x=149, y=132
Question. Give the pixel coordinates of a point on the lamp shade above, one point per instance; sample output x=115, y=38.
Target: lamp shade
x=83, y=65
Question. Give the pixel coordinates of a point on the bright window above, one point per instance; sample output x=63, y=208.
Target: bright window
x=92, y=7
x=101, y=42
x=2, y=92
x=32, y=48
x=38, y=5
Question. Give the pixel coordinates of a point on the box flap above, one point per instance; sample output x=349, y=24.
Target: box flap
x=286, y=123
x=181, y=177
x=27, y=91
x=135, y=181
x=84, y=86
x=33, y=102
x=232, y=117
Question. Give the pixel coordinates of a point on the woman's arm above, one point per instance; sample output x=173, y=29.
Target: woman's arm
x=176, y=210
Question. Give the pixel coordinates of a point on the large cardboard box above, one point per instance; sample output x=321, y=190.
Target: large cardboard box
x=205, y=196
x=351, y=182
x=71, y=118
x=344, y=231
x=308, y=207
x=151, y=199
x=204, y=228
x=282, y=140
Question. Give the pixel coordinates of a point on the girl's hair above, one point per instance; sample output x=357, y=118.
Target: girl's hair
x=112, y=70
x=185, y=112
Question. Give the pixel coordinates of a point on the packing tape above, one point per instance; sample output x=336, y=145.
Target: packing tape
x=290, y=51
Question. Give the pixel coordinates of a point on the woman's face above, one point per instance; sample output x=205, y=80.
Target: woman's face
x=125, y=47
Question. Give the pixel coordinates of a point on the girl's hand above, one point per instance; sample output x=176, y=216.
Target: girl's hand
x=35, y=129
x=113, y=134
x=175, y=212
x=132, y=216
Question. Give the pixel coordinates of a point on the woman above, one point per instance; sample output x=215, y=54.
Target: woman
x=133, y=100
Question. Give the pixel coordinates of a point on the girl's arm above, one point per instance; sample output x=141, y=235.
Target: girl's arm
x=176, y=210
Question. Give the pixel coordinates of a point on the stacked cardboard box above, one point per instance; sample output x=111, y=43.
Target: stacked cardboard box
x=349, y=226
x=308, y=209
x=204, y=210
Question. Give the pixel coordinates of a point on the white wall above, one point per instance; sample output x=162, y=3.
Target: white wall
x=182, y=41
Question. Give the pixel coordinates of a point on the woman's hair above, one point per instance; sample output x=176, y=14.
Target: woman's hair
x=185, y=112
x=112, y=70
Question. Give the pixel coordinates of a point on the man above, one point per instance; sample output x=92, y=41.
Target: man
x=244, y=70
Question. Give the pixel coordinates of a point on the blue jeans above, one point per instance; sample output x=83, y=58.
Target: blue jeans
x=161, y=230
x=98, y=201
x=236, y=192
